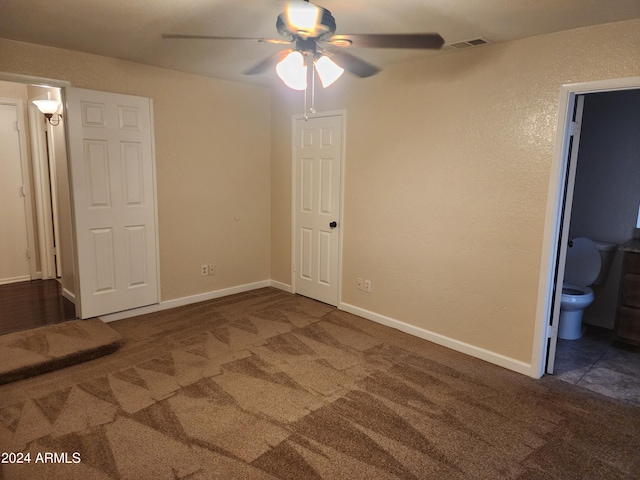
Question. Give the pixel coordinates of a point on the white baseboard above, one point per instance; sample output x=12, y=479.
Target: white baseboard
x=68, y=295
x=7, y=281
x=179, y=302
x=467, y=349
x=282, y=286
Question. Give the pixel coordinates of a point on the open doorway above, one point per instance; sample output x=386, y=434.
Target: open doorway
x=46, y=294
x=597, y=198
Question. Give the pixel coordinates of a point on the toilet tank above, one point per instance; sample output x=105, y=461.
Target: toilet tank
x=607, y=252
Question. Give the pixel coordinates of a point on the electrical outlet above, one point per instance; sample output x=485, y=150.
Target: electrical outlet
x=212, y=269
x=359, y=283
x=367, y=286
x=204, y=269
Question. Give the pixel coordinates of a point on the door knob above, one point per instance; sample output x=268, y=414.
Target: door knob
x=333, y=224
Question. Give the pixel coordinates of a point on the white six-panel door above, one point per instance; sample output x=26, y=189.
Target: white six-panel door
x=318, y=174
x=113, y=189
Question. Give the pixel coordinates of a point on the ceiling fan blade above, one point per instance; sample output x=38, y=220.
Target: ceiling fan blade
x=353, y=64
x=410, y=40
x=268, y=63
x=213, y=37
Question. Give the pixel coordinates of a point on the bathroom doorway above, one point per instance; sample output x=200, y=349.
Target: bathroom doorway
x=604, y=203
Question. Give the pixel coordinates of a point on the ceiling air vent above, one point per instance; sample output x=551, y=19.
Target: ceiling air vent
x=476, y=42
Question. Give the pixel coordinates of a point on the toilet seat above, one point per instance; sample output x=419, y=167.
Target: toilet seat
x=572, y=289
x=575, y=297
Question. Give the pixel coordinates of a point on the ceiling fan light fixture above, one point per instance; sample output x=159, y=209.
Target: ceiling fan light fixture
x=328, y=70
x=292, y=71
x=303, y=18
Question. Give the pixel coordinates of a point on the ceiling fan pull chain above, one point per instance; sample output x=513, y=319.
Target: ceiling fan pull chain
x=313, y=88
x=305, y=116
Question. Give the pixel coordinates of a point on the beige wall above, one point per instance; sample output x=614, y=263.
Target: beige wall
x=213, y=162
x=448, y=164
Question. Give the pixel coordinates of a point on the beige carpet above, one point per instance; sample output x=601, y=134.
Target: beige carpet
x=40, y=350
x=267, y=385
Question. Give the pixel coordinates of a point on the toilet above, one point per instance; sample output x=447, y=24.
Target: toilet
x=587, y=264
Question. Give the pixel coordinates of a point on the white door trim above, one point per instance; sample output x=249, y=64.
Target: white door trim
x=28, y=79
x=296, y=118
x=54, y=161
x=42, y=189
x=154, y=176
x=555, y=207
x=563, y=234
x=26, y=184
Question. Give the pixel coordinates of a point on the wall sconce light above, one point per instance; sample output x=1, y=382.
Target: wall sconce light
x=49, y=108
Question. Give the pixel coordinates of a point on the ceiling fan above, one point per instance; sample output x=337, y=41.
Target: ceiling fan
x=310, y=30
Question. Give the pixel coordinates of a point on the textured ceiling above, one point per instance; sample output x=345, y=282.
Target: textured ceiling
x=131, y=29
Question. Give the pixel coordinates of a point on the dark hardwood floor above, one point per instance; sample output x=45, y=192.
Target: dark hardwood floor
x=27, y=305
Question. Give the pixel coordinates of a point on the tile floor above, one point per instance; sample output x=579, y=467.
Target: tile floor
x=596, y=362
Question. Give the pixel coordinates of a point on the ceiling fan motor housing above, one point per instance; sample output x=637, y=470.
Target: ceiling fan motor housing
x=323, y=30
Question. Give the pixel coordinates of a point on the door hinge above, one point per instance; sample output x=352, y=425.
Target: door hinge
x=574, y=128
x=28, y=253
x=54, y=251
x=22, y=192
x=17, y=126
x=552, y=331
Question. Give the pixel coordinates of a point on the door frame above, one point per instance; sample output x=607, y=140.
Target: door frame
x=46, y=208
x=294, y=119
x=571, y=155
x=26, y=183
x=556, y=209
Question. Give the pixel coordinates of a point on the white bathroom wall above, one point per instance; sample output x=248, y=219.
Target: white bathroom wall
x=607, y=189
